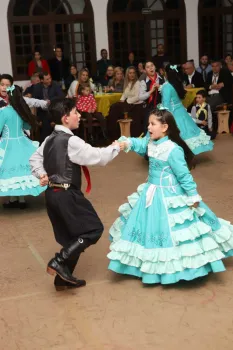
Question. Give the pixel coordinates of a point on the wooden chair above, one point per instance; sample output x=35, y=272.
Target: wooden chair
x=223, y=114
x=95, y=123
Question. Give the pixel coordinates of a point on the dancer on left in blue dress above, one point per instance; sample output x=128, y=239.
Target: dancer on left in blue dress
x=16, y=179
x=165, y=233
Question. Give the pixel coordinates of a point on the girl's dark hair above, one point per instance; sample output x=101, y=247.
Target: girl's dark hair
x=173, y=132
x=17, y=101
x=59, y=107
x=7, y=77
x=174, y=78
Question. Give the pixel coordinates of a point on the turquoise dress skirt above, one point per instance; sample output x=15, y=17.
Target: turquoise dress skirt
x=159, y=237
x=15, y=150
x=196, y=138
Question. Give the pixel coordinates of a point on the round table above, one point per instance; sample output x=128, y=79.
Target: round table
x=190, y=96
x=105, y=101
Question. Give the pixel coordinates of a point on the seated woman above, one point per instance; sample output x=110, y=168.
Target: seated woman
x=37, y=65
x=83, y=78
x=108, y=76
x=117, y=83
x=129, y=103
x=86, y=105
x=72, y=76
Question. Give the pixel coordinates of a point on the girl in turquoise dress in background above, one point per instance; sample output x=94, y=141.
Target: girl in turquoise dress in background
x=166, y=233
x=172, y=92
x=16, y=148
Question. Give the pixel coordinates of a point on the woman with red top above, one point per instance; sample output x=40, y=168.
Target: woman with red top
x=86, y=105
x=37, y=65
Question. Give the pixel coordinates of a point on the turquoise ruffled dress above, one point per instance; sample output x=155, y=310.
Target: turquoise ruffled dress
x=15, y=150
x=196, y=138
x=159, y=237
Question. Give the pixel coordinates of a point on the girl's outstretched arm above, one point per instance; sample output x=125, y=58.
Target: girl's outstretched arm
x=138, y=145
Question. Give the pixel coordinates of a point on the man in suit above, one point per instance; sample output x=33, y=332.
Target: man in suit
x=192, y=78
x=46, y=90
x=219, y=88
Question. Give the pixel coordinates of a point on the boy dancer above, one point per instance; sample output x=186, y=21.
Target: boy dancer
x=58, y=162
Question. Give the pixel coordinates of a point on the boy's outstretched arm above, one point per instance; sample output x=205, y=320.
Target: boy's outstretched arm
x=82, y=153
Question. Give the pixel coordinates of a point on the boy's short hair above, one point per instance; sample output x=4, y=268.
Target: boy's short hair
x=59, y=107
x=7, y=77
x=202, y=93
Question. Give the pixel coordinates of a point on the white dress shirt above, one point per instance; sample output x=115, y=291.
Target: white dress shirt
x=190, y=77
x=143, y=94
x=214, y=81
x=79, y=152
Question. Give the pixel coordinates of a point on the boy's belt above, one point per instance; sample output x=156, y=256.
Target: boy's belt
x=66, y=186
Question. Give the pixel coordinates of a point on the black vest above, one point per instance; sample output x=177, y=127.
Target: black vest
x=59, y=168
x=202, y=116
x=156, y=95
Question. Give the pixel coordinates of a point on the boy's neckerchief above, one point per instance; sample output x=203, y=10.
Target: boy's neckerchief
x=202, y=109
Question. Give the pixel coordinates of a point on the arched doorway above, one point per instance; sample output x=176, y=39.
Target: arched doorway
x=132, y=30
x=43, y=24
x=216, y=27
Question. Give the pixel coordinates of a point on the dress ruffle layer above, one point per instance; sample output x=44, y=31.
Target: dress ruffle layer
x=200, y=144
x=197, y=248
x=20, y=186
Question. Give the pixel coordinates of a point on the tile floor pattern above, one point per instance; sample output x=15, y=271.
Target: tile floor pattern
x=112, y=312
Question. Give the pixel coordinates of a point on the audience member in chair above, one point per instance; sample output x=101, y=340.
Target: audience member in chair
x=204, y=67
x=192, y=78
x=86, y=105
x=83, y=79
x=108, y=76
x=219, y=87
x=47, y=90
x=202, y=115
x=116, y=84
x=129, y=103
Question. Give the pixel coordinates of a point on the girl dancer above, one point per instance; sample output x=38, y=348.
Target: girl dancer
x=166, y=233
x=172, y=93
x=16, y=179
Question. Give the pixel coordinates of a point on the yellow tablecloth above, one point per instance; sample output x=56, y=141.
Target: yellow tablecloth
x=105, y=101
x=190, y=96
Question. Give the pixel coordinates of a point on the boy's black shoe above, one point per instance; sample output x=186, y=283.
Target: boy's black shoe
x=57, y=266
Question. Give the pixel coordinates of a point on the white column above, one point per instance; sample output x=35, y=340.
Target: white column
x=192, y=30
x=101, y=25
x=6, y=66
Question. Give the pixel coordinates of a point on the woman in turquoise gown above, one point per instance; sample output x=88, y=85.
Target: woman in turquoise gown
x=16, y=148
x=172, y=92
x=165, y=232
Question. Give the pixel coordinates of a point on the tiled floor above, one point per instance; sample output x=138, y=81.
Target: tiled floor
x=112, y=312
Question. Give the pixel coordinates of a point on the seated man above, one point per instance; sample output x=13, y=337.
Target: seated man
x=219, y=88
x=192, y=78
x=46, y=90
x=204, y=67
